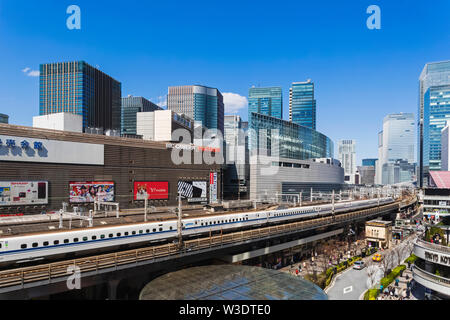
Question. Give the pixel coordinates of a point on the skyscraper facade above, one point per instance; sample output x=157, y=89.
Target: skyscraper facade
x=436, y=114
x=237, y=177
x=130, y=106
x=267, y=101
x=347, y=157
x=288, y=140
x=369, y=162
x=396, y=149
x=436, y=74
x=302, y=105
x=200, y=103
x=4, y=118
x=79, y=88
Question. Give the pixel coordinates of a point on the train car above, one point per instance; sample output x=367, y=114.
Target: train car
x=63, y=244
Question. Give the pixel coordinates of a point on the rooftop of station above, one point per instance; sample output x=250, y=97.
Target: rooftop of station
x=231, y=282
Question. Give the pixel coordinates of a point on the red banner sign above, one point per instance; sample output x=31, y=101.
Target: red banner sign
x=151, y=190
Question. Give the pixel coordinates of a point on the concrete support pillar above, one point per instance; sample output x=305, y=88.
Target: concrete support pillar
x=112, y=289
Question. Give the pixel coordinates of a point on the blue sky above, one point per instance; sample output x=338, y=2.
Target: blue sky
x=360, y=74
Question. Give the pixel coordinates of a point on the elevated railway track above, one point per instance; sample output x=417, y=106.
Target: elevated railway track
x=21, y=278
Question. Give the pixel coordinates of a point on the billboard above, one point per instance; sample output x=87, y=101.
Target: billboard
x=194, y=191
x=14, y=193
x=213, y=187
x=152, y=190
x=85, y=192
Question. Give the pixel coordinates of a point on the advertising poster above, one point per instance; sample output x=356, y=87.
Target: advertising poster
x=213, y=187
x=13, y=193
x=152, y=190
x=194, y=191
x=85, y=192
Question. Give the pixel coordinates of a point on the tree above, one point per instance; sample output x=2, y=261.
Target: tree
x=372, y=272
x=386, y=261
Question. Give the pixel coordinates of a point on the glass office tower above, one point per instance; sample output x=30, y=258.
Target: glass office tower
x=268, y=101
x=4, y=118
x=434, y=74
x=130, y=106
x=294, y=141
x=436, y=114
x=79, y=88
x=302, y=105
x=203, y=104
x=396, y=149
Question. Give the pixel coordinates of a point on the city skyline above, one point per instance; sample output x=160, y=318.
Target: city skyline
x=340, y=55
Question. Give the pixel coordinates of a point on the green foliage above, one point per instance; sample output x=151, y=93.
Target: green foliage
x=432, y=231
x=411, y=259
x=386, y=281
x=371, y=294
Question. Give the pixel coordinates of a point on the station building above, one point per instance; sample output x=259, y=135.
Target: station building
x=288, y=158
x=41, y=168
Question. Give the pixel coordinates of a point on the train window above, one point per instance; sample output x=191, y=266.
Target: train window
x=154, y=230
x=102, y=236
x=195, y=222
x=85, y=238
x=66, y=240
x=94, y=237
x=141, y=231
x=56, y=242
x=147, y=231
x=111, y=235
x=170, y=228
x=126, y=233
x=76, y=240
x=35, y=245
x=119, y=234
x=160, y=229
x=45, y=243
x=133, y=233
x=24, y=246
x=0, y=245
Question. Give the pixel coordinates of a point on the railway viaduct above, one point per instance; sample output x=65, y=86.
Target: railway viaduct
x=128, y=271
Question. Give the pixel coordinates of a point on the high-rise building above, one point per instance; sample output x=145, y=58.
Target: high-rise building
x=200, y=103
x=347, y=155
x=291, y=141
x=79, y=88
x=369, y=162
x=302, y=105
x=436, y=114
x=396, y=149
x=267, y=101
x=237, y=175
x=130, y=106
x=434, y=75
x=4, y=118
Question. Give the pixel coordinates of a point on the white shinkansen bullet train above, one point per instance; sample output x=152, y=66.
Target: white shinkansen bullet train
x=61, y=244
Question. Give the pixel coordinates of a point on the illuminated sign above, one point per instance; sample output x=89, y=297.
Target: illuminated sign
x=152, y=190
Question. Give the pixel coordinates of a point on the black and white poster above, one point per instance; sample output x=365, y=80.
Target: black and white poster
x=194, y=191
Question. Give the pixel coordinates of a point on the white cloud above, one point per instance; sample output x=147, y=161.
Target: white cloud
x=162, y=102
x=234, y=102
x=31, y=73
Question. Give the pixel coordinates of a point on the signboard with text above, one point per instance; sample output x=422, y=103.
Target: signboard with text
x=13, y=193
x=152, y=190
x=88, y=191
